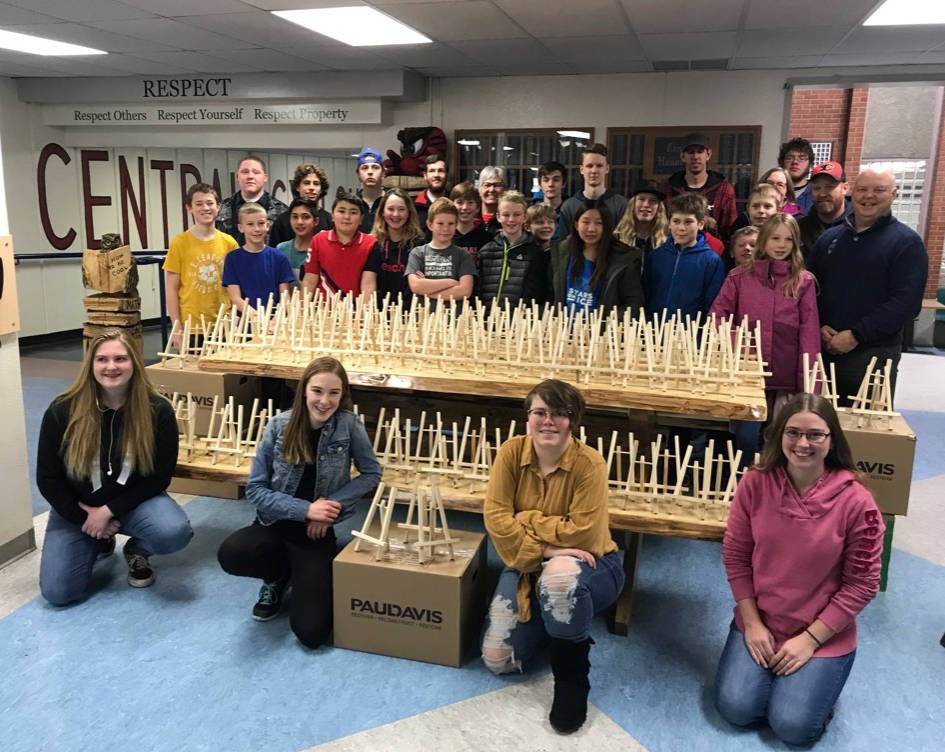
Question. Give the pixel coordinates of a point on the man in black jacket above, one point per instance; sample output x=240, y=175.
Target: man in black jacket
x=828, y=188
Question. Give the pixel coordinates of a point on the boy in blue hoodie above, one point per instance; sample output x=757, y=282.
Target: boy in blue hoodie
x=684, y=274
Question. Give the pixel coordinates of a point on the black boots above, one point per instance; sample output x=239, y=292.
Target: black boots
x=570, y=666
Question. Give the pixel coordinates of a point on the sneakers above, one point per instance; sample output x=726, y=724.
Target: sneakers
x=106, y=548
x=270, y=600
x=140, y=573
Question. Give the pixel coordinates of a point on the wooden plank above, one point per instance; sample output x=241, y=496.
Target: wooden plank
x=111, y=318
x=104, y=301
x=749, y=405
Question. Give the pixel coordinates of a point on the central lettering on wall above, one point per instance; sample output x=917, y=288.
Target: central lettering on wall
x=170, y=88
x=215, y=115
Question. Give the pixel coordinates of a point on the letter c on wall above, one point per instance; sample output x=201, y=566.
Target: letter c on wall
x=57, y=242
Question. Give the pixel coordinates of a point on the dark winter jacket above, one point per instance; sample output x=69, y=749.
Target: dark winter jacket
x=228, y=216
x=623, y=289
x=512, y=272
x=812, y=227
x=871, y=282
x=682, y=279
x=717, y=191
x=615, y=203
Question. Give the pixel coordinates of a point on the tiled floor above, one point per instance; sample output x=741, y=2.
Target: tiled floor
x=181, y=666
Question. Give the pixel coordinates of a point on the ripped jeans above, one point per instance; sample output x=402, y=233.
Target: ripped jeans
x=563, y=605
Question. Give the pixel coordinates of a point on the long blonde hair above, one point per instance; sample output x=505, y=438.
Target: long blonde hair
x=412, y=234
x=82, y=439
x=793, y=285
x=628, y=231
x=296, y=446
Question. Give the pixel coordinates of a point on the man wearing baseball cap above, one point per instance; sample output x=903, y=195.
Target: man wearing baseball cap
x=370, y=174
x=828, y=189
x=698, y=178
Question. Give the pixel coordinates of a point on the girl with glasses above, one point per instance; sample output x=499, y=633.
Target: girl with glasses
x=546, y=512
x=802, y=554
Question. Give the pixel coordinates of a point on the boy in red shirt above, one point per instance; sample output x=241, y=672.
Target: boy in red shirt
x=339, y=254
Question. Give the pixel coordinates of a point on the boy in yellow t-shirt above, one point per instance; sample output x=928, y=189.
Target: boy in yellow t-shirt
x=193, y=268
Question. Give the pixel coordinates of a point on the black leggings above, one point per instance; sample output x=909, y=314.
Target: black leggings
x=270, y=552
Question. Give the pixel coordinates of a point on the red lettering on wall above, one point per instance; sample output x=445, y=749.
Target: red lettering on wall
x=163, y=165
x=278, y=186
x=185, y=171
x=127, y=197
x=57, y=242
x=86, y=157
x=216, y=184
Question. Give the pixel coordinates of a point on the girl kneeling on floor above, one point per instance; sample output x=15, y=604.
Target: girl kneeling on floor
x=301, y=485
x=802, y=554
x=107, y=451
x=546, y=512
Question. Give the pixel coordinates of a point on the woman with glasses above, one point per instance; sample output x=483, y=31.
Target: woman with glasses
x=802, y=554
x=546, y=512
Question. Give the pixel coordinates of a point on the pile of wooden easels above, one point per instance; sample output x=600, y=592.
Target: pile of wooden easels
x=524, y=342
x=231, y=434
x=872, y=403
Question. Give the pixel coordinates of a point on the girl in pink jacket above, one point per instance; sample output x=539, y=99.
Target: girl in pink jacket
x=775, y=290
x=802, y=554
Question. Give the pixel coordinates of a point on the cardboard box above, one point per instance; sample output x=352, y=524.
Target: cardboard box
x=431, y=612
x=214, y=488
x=171, y=377
x=109, y=271
x=885, y=457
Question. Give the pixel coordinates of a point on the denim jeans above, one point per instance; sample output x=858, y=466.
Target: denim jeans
x=156, y=526
x=563, y=608
x=795, y=706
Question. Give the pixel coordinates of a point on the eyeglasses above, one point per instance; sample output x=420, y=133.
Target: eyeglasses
x=493, y=185
x=796, y=158
x=542, y=415
x=813, y=437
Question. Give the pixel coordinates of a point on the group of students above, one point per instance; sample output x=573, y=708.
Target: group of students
x=802, y=548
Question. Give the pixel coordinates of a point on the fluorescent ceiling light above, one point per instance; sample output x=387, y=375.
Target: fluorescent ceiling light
x=574, y=134
x=358, y=26
x=12, y=40
x=907, y=13
x=467, y=142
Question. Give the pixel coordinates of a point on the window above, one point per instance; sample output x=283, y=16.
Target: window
x=520, y=152
x=637, y=153
x=822, y=151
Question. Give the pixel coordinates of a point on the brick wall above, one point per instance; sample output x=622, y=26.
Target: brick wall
x=935, y=227
x=821, y=115
x=856, y=126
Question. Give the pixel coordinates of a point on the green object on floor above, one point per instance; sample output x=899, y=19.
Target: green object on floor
x=890, y=521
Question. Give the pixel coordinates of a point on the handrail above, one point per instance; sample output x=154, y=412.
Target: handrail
x=144, y=258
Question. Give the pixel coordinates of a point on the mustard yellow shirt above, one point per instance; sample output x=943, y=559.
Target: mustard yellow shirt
x=200, y=266
x=566, y=508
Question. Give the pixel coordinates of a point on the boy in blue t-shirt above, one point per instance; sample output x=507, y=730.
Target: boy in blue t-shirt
x=255, y=271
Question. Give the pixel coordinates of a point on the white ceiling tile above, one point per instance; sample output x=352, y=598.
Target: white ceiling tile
x=774, y=14
x=273, y=61
x=892, y=39
x=818, y=40
x=603, y=65
x=448, y=71
x=11, y=16
x=182, y=8
x=796, y=61
x=421, y=55
x=18, y=70
x=74, y=66
x=502, y=52
x=174, y=33
x=712, y=44
x=199, y=62
x=260, y=29
x=681, y=16
x=122, y=63
x=597, y=49
x=86, y=10
x=92, y=37
x=447, y=22
x=342, y=58
x=874, y=58
x=565, y=19
x=303, y=4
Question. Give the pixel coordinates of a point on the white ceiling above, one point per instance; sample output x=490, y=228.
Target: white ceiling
x=478, y=37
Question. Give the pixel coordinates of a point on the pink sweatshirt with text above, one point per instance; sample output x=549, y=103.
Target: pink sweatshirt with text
x=804, y=557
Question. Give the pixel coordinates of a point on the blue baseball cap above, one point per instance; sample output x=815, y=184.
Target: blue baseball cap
x=370, y=156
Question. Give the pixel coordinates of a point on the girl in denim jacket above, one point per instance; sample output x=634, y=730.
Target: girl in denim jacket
x=301, y=485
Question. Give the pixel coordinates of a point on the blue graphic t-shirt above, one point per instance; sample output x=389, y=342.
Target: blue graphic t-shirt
x=580, y=296
x=257, y=273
